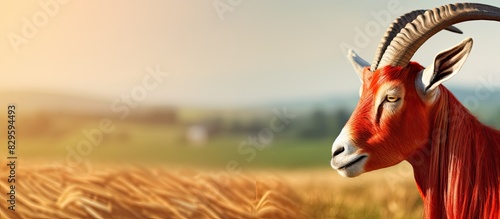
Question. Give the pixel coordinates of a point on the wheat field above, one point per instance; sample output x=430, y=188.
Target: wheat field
x=159, y=192
x=380, y=194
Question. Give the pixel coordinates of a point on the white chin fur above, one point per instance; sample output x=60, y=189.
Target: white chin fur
x=347, y=161
x=352, y=170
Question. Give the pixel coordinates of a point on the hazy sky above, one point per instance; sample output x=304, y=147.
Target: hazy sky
x=262, y=51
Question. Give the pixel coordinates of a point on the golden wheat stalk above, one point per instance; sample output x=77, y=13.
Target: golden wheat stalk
x=139, y=192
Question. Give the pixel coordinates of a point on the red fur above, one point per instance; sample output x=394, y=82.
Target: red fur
x=456, y=159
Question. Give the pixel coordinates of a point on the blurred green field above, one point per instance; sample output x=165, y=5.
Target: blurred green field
x=155, y=147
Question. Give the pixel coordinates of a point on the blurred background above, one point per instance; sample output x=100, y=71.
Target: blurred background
x=230, y=85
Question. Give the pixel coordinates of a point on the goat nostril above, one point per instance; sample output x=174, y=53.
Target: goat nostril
x=338, y=151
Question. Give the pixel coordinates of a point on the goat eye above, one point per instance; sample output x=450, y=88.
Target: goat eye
x=392, y=98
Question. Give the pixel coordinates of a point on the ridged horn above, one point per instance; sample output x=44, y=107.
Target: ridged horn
x=394, y=29
x=402, y=48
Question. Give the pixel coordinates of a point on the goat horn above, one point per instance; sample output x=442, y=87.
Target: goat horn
x=394, y=29
x=414, y=34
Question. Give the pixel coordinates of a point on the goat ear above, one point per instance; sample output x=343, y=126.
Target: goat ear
x=445, y=66
x=358, y=63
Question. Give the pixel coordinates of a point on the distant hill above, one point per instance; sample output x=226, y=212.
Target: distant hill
x=33, y=101
x=484, y=98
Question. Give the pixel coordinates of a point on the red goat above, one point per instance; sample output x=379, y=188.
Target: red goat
x=404, y=113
